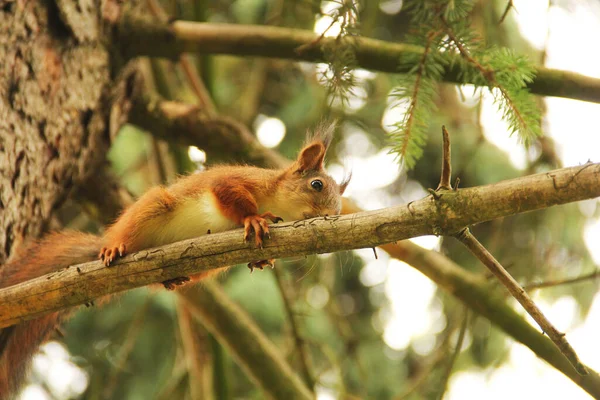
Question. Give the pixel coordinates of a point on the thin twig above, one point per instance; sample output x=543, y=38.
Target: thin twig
x=197, y=86
x=259, y=358
x=461, y=337
x=190, y=72
x=350, y=340
x=506, y=10
x=131, y=339
x=421, y=379
x=446, y=175
x=558, y=282
x=178, y=374
x=157, y=10
x=298, y=341
x=522, y=297
x=423, y=375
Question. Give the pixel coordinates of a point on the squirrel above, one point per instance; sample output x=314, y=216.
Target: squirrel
x=215, y=200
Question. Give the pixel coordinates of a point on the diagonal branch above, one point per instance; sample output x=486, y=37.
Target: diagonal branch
x=450, y=213
x=186, y=124
x=480, y=297
x=466, y=238
x=139, y=36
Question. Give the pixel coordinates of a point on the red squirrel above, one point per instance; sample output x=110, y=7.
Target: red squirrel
x=212, y=201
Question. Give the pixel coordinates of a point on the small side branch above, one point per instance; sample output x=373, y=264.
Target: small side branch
x=559, y=282
x=446, y=175
x=509, y=6
x=466, y=238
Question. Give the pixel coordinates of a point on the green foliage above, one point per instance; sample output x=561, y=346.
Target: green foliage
x=340, y=55
x=443, y=29
x=417, y=91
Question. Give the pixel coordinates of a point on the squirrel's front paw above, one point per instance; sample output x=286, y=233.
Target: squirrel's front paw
x=261, y=264
x=258, y=224
x=109, y=254
x=172, y=284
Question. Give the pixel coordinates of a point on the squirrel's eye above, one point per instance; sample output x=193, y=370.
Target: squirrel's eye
x=317, y=185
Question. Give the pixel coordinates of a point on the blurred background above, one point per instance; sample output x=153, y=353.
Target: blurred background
x=374, y=327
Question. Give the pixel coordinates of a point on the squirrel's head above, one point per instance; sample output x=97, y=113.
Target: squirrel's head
x=308, y=188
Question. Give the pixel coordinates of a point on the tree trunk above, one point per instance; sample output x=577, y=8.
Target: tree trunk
x=57, y=105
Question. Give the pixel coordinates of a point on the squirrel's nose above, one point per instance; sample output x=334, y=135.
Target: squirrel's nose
x=330, y=211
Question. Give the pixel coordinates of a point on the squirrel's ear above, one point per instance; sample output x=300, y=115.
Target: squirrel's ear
x=311, y=158
x=312, y=155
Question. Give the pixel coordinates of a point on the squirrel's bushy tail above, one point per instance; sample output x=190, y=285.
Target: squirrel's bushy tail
x=18, y=343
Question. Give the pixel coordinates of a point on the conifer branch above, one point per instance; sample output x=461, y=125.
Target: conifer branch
x=406, y=130
x=489, y=75
x=138, y=36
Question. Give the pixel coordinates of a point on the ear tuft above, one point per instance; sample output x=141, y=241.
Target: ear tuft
x=323, y=133
x=344, y=184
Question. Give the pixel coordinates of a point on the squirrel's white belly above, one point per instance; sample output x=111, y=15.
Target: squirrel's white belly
x=192, y=218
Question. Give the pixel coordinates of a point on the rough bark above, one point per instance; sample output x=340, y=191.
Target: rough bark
x=53, y=130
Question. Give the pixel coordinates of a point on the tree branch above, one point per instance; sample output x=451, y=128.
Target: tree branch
x=140, y=36
x=258, y=356
x=466, y=238
x=186, y=124
x=449, y=214
x=481, y=297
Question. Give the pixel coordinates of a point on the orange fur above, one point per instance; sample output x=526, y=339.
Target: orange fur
x=215, y=200
x=18, y=343
x=243, y=195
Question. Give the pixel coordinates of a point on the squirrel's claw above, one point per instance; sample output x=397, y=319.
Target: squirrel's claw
x=272, y=217
x=109, y=254
x=261, y=264
x=258, y=224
